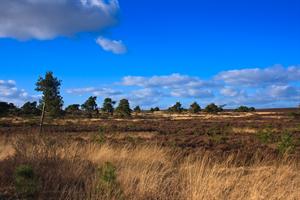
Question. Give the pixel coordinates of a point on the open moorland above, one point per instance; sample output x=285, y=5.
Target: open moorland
x=230, y=155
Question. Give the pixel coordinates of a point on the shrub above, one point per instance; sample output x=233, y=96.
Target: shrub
x=245, y=109
x=108, y=184
x=123, y=110
x=195, y=108
x=177, y=108
x=26, y=181
x=137, y=109
x=286, y=144
x=213, y=108
x=100, y=138
x=265, y=135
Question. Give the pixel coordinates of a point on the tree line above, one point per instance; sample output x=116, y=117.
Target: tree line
x=52, y=103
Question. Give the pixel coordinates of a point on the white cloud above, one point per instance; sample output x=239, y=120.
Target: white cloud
x=10, y=93
x=48, y=19
x=192, y=93
x=168, y=81
x=104, y=92
x=145, y=97
x=258, y=77
x=259, y=87
x=114, y=46
x=230, y=92
x=283, y=91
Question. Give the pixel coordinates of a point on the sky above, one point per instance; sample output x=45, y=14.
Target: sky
x=153, y=53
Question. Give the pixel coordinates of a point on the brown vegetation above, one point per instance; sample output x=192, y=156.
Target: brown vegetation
x=153, y=159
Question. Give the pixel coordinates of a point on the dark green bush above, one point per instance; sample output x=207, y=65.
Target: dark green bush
x=286, y=144
x=245, y=109
x=265, y=135
x=26, y=182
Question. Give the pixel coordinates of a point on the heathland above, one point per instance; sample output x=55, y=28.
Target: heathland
x=157, y=155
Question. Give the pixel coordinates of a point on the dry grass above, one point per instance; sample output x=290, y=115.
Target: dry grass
x=69, y=171
x=244, y=130
x=205, y=180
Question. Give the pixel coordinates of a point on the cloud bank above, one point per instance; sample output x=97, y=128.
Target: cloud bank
x=48, y=19
x=275, y=86
x=10, y=93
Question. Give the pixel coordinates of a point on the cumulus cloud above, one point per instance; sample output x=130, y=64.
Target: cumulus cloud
x=145, y=97
x=256, y=76
x=192, y=93
x=168, y=81
x=10, y=93
x=114, y=46
x=230, y=92
x=94, y=91
x=48, y=19
x=260, y=87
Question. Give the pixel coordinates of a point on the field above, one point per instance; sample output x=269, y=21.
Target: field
x=154, y=156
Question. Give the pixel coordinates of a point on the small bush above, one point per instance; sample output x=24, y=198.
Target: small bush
x=108, y=173
x=108, y=184
x=265, y=135
x=218, y=138
x=26, y=182
x=213, y=108
x=286, y=144
x=100, y=137
x=295, y=115
x=245, y=109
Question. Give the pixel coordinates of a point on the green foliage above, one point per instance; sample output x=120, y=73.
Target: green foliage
x=26, y=182
x=73, y=109
x=245, y=109
x=50, y=86
x=154, y=109
x=108, y=184
x=30, y=108
x=7, y=109
x=213, y=108
x=90, y=106
x=108, y=106
x=218, y=138
x=265, y=135
x=195, y=108
x=177, y=108
x=137, y=109
x=295, y=115
x=123, y=109
x=286, y=144
x=100, y=137
x=108, y=173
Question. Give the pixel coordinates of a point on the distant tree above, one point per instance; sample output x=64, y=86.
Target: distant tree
x=90, y=106
x=7, y=109
x=123, y=109
x=213, y=108
x=177, y=108
x=50, y=86
x=73, y=109
x=245, y=109
x=154, y=109
x=137, y=109
x=30, y=108
x=195, y=108
x=108, y=106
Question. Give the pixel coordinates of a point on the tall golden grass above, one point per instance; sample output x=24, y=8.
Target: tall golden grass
x=69, y=171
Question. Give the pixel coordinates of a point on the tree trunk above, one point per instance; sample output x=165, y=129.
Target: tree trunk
x=42, y=118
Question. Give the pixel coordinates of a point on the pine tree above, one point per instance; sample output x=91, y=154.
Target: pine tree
x=50, y=86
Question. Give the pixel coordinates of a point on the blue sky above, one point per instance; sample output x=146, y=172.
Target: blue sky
x=154, y=52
